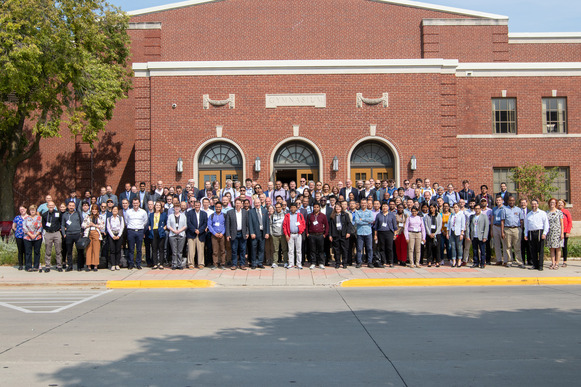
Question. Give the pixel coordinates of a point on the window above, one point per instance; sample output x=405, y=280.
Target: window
x=562, y=182
x=504, y=115
x=503, y=175
x=554, y=115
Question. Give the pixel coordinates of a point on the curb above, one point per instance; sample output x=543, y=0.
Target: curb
x=82, y=284
x=500, y=281
x=160, y=284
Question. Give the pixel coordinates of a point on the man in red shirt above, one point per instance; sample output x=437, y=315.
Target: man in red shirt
x=317, y=230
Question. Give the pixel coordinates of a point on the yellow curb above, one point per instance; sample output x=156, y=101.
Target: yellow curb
x=153, y=284
x=500, y=281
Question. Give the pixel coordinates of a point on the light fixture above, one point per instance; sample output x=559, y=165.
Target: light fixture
x=413, y=163
x=257, y=164
x=180, y=167
x=335, y=164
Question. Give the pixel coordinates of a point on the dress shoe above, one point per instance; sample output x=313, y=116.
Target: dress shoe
x=358, y=266
x=261, y=266
x=60, y=269
x=95, y=269
x=243, y=267
x=46, y=270
x=20, y=268
x=69, y=269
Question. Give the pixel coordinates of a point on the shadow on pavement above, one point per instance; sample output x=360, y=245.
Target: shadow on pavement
x=517, y=347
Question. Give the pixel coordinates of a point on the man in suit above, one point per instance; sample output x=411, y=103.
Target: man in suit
x=73, y=198
x=143, y=196
x=504, y=194
x=345, y=191
x=196, y=234
x=478, y=228
x=484, y=195
x=259, y=227
x=237, y=234
x=127, y=194
x=368, y=190
x=207, y=192
x=191, y=187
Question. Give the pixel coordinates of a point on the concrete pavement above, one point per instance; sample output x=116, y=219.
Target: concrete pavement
x=10, y=276
x=254, y=336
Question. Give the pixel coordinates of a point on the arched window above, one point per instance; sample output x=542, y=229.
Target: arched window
x=371, y=154
x=220, y=155
x=295, y=155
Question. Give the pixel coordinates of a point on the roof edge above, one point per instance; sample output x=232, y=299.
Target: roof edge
x=443, y=8
x=407, y=3
x=168, y=7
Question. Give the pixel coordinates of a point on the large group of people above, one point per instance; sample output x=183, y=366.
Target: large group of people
x=244, y=225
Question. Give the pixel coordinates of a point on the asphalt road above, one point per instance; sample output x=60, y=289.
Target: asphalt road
x=487, y=336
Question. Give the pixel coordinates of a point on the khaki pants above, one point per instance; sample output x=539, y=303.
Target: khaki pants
x=193, y=246
x=415, y=247
x=50, y=239
x=499, y=249
x=466, y=251
x=512, y=240
x=218, y=251
x=279, y=244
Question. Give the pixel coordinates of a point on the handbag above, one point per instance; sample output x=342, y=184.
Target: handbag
x=83, y=242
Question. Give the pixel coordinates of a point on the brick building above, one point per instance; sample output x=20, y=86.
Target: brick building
x=371, y=84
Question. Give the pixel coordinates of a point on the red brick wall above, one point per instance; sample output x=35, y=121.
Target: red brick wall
x=555, y=52
x=282, y=29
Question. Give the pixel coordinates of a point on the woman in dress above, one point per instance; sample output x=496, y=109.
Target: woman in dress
x=555, y=236
x=19, y=235
x=401, y=245
x=567, y=225
x=32, y=227
x=94, y=225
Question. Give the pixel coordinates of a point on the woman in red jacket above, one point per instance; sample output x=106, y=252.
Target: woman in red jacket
x=567, y=225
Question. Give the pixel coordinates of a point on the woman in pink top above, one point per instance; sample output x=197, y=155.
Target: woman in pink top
x=415, y=235
x=567, y=225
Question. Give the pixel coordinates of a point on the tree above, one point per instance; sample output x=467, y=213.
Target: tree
x=63, y=64
x=534, y=181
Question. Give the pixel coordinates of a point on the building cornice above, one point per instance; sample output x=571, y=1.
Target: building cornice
x=544, y=37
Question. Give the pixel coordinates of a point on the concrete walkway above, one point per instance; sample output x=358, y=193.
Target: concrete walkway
x=10, y=276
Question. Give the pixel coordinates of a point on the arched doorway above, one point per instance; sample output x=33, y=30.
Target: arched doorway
x=220, y=161
x=295, y=160
x=372, y=159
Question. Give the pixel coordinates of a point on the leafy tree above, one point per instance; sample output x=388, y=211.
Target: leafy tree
x=534, y=181
x=63, y=65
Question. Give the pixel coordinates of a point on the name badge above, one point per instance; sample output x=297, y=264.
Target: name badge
x=47, y=224
x=216, y=224
x=298, y=223
x=400, y=224
x=261, y=227
x=69, y=222
x=339, y=226
x=57, y=214
x=383, y=224
x=433, y=228
x=498, y=218
x=315, y=222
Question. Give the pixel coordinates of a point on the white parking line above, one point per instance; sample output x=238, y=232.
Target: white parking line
x=54, y=302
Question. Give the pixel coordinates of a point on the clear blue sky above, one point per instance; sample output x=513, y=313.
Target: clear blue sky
x=525, y=15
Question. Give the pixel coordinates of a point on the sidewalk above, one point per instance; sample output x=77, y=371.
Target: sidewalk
x=11, y=277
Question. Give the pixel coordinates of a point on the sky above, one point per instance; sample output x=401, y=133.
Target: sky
x=524, y=15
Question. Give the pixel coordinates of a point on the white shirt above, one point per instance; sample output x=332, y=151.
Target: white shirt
x=136, y=220
x=238, y=220
x=537, y=220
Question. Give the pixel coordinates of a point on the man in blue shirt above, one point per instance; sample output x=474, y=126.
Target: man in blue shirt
x=497, y=233
x=512, y=219
x=217, y=227
x=363, y=219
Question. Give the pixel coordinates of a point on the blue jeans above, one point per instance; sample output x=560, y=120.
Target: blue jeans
x=238, y=250
x=368, y=241
x=455, y=245
x=479, y=250
x=134, y=242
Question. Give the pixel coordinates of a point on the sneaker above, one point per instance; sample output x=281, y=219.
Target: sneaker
x=300, y=267
x=322, y=267
x=47, y=269
x=287, y=266
x=274, y=266
x=113, y=268
x=312, y=267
